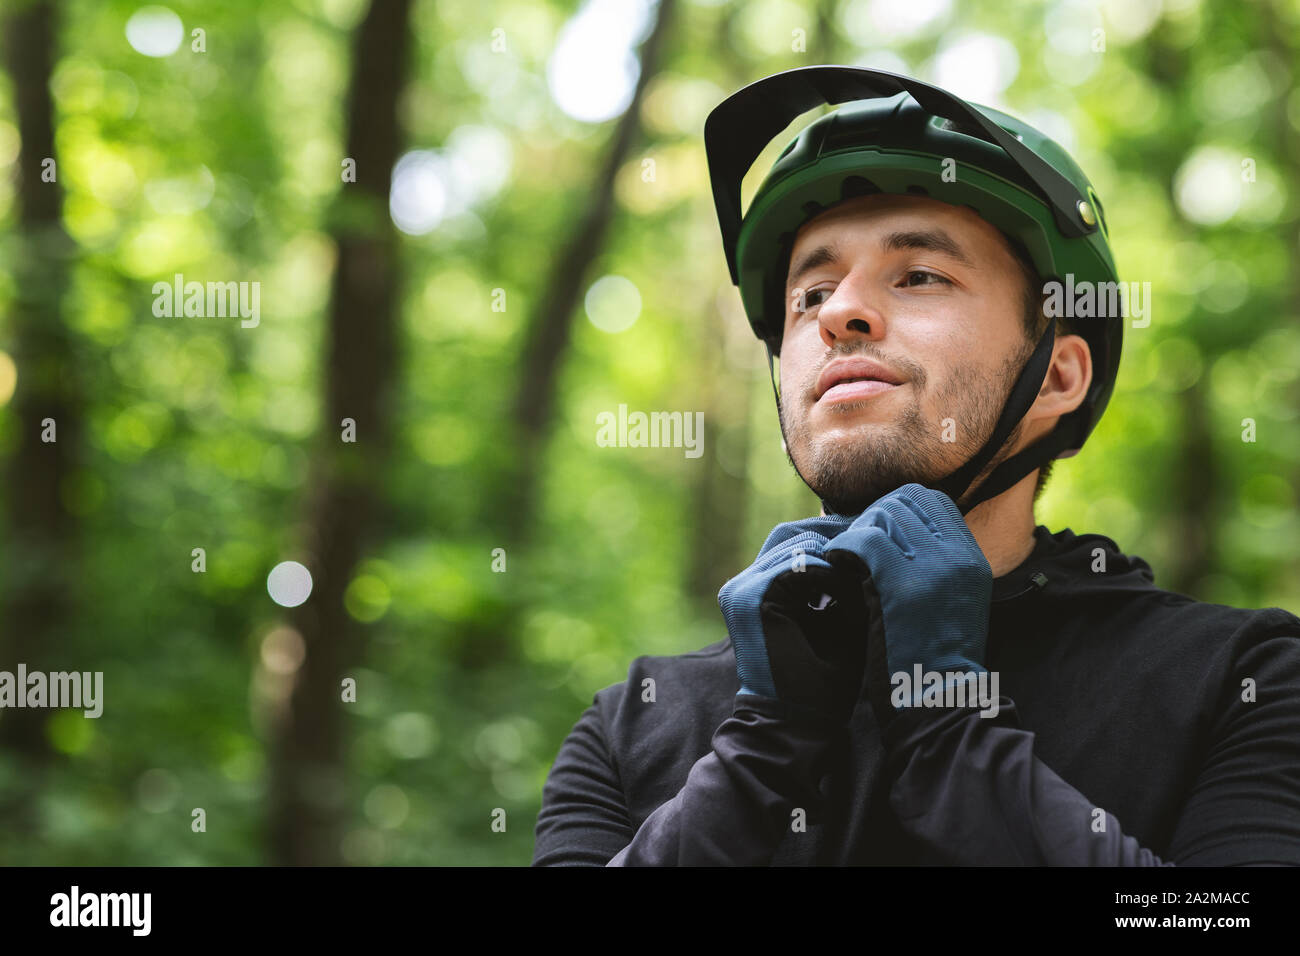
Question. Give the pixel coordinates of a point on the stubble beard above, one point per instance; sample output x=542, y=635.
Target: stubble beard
x=849, y=474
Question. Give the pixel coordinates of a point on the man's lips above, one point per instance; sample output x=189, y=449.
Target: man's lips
x=853, y=379
x=854, y=391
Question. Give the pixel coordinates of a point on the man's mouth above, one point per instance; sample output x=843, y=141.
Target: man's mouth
x=854, y=379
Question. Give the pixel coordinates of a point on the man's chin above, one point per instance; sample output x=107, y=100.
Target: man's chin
x=848, y=423
x=851, y=454
x=849, y=484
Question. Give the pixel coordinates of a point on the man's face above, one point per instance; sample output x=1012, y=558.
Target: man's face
x=904, y=331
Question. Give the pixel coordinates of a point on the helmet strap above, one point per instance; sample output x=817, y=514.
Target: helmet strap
x=1023, y=394
x=771, y=372
x=1019, y=465
x=776, y=393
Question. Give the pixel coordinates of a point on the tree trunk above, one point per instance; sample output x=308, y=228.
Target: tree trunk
x=41, y=535
x=721, y=499
x=308, y=752
x=1196, y=489
x=489, y=639
x=1193, y=503
x=550, y=327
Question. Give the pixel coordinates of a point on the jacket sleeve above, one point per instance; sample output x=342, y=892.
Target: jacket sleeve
x=733, y=809
x=971, y=786
x=970, y=789
x=583, y=819
x=1245, y=807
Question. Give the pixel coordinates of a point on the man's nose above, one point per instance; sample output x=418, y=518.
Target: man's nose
x=850, y=313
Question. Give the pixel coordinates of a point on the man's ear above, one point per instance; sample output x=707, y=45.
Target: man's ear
x=1067, y=381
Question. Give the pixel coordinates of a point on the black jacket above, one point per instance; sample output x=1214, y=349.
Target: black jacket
x=1138, y=727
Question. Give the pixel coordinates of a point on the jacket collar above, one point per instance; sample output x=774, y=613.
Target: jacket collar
x=1066, y=560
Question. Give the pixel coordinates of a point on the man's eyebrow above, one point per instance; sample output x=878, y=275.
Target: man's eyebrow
x=821, y=256
x=932, y=240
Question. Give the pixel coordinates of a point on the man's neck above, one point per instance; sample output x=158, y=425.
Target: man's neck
x=1004, y=526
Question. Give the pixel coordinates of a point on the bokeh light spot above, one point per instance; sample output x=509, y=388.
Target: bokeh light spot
x=8, y=377
x=155, y=31
x=613, y=304
x=289, y=584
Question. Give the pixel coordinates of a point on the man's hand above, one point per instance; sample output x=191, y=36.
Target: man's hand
x=791, y=618
x=921, y=567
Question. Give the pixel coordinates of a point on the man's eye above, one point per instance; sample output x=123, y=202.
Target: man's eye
x=811, y=298
x=927, y=278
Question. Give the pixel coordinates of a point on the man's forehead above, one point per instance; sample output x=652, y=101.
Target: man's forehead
x=890, y=211
x=896, y=221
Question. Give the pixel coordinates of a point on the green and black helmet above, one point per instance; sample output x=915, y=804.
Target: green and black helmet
x=895, y=134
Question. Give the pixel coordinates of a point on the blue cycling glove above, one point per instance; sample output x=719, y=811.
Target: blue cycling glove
x=924, y=575
x=796, y=626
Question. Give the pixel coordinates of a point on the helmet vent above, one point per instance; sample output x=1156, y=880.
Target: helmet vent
x=964, y=128
x=857, y=186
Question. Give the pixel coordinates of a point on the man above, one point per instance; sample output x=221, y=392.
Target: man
x=922, y=674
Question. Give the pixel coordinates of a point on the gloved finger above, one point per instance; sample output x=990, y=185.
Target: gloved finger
x=917, y=521
x=864, y=543
x=940, y=511
x=778, y=536
x=796, y=554
x=826, y=526
x=925, y=534
x=902, y=524
x=956, y=545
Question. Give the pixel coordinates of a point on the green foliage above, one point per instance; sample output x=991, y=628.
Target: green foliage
x=225, y=165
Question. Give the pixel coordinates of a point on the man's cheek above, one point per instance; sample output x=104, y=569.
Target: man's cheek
x=794, y=386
